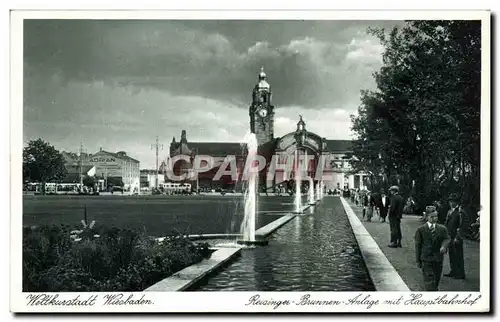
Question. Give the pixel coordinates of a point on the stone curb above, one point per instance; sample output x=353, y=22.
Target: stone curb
x=384, y=276
x=271, y=227
x=190, y=275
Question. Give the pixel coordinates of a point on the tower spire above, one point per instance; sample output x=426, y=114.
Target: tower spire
x=301, y=125
x=262, y=74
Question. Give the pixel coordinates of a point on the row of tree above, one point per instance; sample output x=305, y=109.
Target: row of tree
x=43, y=163
x=421, y=127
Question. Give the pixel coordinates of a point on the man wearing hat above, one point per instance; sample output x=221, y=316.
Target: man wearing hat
x=456, y=249
x=431, y=243
x=395, y=215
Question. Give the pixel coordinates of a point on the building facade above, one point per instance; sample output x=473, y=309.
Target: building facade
x=109, y=166
x=150, y=180
x=332, y=157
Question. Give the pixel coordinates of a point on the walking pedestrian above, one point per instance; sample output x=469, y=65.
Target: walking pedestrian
x=475, y=227
x=431, y=243
x=456, y=249
x=365, y=203
x=376, y=203
x=384, y=206
x=395, y=215
x=370, y=206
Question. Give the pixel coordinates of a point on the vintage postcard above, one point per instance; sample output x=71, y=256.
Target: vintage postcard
x=250, y=161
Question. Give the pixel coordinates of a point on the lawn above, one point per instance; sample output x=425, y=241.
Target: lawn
x=156, y=215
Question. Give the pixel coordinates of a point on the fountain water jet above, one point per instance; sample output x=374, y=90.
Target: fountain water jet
x=312, y=201
x=298, y=193
x=250, y=195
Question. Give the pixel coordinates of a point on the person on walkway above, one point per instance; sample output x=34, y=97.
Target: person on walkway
x=474, y=228
x=431, y=243
x=364, y=202
x=376, y=202
x=395, y=215
x=383, y=206
x=456, y=250
x=370, y=205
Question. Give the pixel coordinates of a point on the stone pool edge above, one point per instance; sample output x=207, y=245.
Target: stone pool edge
x=191, y=275
x=273, y=226
x=384, y=276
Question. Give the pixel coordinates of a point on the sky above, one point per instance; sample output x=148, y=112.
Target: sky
x=119, y=84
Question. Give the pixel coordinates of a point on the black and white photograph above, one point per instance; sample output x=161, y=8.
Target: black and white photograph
x=257, y=162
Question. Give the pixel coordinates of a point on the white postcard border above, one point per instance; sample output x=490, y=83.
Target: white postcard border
x=236, y=301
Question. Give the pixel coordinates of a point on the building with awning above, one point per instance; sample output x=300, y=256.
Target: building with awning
x=107, y=167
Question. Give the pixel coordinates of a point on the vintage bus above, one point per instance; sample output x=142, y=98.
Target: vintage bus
x=173, y=188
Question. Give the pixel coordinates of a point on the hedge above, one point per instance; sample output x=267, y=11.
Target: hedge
x=116, y=260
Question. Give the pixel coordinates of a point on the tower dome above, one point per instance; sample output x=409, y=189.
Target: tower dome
x=263, y=84
x=262, y=75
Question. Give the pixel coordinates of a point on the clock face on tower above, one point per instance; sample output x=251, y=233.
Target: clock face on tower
x=262, y=112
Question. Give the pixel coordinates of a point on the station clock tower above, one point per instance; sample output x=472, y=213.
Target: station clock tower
x=262, y=111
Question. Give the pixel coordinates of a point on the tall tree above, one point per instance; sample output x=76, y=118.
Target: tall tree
x=423, y=121
x=42, y=163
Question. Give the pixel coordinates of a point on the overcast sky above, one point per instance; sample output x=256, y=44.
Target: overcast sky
x=119, y=84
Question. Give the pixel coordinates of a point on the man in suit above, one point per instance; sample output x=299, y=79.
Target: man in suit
x=383, y=206
x=395, y=215
x=456, y=250
x=376, y=202
x=364, y=203
x=370, y=208
x=431, y=243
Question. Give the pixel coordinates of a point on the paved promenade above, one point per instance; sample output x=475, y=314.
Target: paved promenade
x=403, y=259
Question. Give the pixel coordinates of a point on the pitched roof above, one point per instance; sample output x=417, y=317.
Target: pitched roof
x=74, y=158
x=213, y=148
x=235, y=148
x=69, y=156
x=339, y=145
x=119, y=156
x=147, y=171
x=75, y=169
